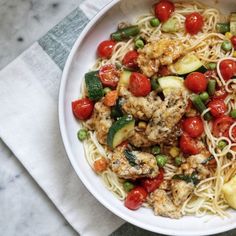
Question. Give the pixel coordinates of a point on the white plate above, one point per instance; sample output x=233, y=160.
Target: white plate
x=80, y=60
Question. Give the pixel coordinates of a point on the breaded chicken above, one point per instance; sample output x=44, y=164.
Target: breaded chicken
x=100, y=121
x=139, y=139
x=163, y=205
x=142, y=164
x=157, y=53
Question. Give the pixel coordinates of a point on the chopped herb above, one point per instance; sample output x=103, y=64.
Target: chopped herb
x=130, y=157
x=187, y=178
x=207, y=160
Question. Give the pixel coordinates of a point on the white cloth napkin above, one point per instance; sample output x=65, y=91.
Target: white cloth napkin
x=29, y=126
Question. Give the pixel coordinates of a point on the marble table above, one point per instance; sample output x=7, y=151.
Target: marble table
x=24, y=208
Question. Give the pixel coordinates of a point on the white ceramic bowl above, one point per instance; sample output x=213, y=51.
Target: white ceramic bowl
x=80, y=60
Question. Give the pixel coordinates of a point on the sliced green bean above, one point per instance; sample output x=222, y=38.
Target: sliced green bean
x=125, y=33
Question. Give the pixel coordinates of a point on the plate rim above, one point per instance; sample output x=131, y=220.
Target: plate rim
x=62, y=127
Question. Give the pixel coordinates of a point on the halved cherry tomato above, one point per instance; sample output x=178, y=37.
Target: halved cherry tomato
x=110, y=98
x=220, y=94
x=218, y=107
x=163, y=10
x=139, y=85
x=221, y=126
x=233, y=41
x=196, y=82
x=164, y=71
x=109, y=75
x=193, y=126
x=194, y=23
x=135, y=198
x=105, y=49
x=82, y=108
x=152, y=184
x=188, y=145
x=130, y=59
x=228, y=69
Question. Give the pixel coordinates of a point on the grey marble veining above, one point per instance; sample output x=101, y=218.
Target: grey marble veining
x=24, y=208
x=24, y=21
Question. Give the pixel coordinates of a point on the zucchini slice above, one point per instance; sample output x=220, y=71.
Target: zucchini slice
x=187, y=64
x=93, y=85
x=124, y=79
x=169, y=82
x=120, y=131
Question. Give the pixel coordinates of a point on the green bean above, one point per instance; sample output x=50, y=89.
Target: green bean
x=211, y=87
x=125, y=33
x=204, y=96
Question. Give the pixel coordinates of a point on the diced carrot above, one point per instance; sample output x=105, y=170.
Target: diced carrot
x=100, y=165
x=110, y=98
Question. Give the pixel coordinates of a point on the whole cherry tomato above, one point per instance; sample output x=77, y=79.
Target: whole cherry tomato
x=82, y=108
x=218, y=107
x=105, y=49
x=233, y=41
x=152, y=184
x=228, y=69
x=130, y=59
x=194, y=23
x=193, y=126
x=135, y=198
x=109, y=75
x=221, y=126
x=139, y=85
x=196, y=82
x=163, y=10
x=188, y=145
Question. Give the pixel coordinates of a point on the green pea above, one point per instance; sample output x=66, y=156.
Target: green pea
x=106, y=90
x=211, y=66
x=154, y=22
x=178, y=161
x=222, y=144
x=139, y=43
x=204, y=96
x=82, y=134
x=161, y=160
x=156, y=150
x=226, y=46
x=128, y=186
x=233, y=113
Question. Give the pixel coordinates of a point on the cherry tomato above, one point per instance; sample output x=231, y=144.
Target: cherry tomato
x=220, y=94
x=105, y=49
x=194, y=23
x=109, y=75
x=188, y=145
x=221, y=126
x=164, y=71
x=135, y=198
x=139, y=85
x=228, y=69
x=233, y=41
x=163, y=10
x=82, y=108
x=196, y=82
x=152, y=184
x=218, y=107
x=130, y=59
x=193, y=126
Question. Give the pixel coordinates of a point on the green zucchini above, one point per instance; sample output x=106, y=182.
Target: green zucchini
x=124, y=79
x=168, y=82
x=93, y=85
x=233, y=23
x=120, y=131
x=116, y=111
x=170, y=26
x=187, y=64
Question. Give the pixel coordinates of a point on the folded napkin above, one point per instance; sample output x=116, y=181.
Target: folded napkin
x=29, y=124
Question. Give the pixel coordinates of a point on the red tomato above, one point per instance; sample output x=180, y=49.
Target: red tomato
x=109, y=75
x=152, y=184
x=82, y=108
x=193, y=23
x=163, y=10
x=218, y=107
x=188, y=145
x=221, y=126
x=135, y=198
x=164, y=71
x=228, y=69
x=233, y=41
x=130, y=59
x=105, y=49
x=193, y=126
x=220, y=94
x=196, y=82
x=139, y=85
